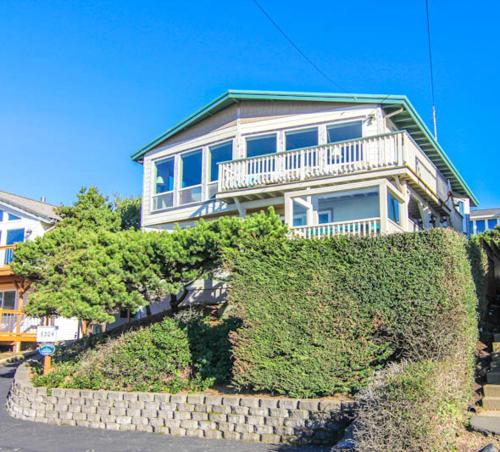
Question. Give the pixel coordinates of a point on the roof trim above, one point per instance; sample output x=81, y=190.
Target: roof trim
x=416, y=125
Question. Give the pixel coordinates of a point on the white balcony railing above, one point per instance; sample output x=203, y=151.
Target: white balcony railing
x=363, y=228
x=365, y=154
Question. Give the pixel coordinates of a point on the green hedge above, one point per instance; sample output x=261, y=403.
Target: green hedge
x=174, y=354
x=321, y=316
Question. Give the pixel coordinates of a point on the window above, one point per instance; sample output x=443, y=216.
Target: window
x=261, y=145
x=164, y=176
x=492, y=223
x=349, y=152
x=480, y=226
x=164, y=184
x=393, y=208
x=15, y=236
x=346, y=131
x=1, y=216
x=191, y=164
x=298, y=139
x=8, y=299
x=324, y=216
x=218, y=154
x=13, y=217
x=300, y=220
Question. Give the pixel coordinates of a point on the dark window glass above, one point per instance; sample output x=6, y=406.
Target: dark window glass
x=492, y=223
x=164, y=176
x=347, y=131
x=480, y=226
x=219, y=154
x=15, y=236
x=191, y=169
x=301, y=139
x=261, y=145
x=1, y=215
x=393, y=208
x=8, y=299
x=13, y=217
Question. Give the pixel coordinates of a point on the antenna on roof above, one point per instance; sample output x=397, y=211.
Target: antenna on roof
x=434, y=119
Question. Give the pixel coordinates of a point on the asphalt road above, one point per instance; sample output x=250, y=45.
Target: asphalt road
x=16, y=435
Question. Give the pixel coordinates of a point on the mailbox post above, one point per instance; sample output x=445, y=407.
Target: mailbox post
x=46, y=336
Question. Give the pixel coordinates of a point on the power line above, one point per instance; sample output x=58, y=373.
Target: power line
x=295, y=46
x=431, y=70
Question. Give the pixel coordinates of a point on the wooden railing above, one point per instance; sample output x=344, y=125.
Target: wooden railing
x=365, y=154
x=363, y=228
x=6, y=254
x=15, y=325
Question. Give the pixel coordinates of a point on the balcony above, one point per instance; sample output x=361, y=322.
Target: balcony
x=360, y=228
x=380, y=152
x=16, y=326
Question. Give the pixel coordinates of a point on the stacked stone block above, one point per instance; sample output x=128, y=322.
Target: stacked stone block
x=269, y=420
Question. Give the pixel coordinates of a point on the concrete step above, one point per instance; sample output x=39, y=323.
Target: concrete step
x=486, y=422
x=491, y=403
x=495, y=347
x=491, y=390
x=493, y=378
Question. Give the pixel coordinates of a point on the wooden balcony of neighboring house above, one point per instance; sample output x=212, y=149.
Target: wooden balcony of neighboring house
x=15, y=326
x=389, y=155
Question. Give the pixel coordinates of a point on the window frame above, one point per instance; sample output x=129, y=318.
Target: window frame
x=293, y=131
x=155, y=195
x=256, y=136
x=2, y=299
x=334, y=124
x=398, y=202
x=328, y=212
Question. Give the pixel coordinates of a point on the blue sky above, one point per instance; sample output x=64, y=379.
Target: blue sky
x=84, y=84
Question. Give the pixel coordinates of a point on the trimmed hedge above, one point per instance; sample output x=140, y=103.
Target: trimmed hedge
x=172, y=355
x=321, y=316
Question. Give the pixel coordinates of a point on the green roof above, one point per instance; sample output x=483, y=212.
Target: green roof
x=408, y=119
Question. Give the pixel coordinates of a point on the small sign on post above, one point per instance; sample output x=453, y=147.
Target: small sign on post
x=46, y=336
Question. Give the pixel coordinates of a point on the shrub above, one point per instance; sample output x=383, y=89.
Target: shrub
x=171, y=355
x=320, y=316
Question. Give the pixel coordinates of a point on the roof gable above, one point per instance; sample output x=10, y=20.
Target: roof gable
x=407, y=118
x=40, y=210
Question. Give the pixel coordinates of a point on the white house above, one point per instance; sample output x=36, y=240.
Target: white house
x=329, y=164
x=482, y=220
x=22, y=219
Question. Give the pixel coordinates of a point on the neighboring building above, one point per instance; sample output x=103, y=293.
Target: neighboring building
x=482, y=220
x=22, y=219
x=328, y=163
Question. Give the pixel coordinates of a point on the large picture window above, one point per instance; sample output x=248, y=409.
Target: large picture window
x=163, y=197
x=191, y=169
x=261, y=145
x=345, y=131
x=218, y=154
x=298, y=139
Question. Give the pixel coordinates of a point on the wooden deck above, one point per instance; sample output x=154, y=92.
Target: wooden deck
x=15, y=326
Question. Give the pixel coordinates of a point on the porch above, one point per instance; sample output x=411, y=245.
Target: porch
x=365, y=209
x=272, y=174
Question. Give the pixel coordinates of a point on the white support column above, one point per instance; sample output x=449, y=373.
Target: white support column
x=288, y=210
x=241, y=210
x=310, y=216
x=405, y=223
x=383, y=207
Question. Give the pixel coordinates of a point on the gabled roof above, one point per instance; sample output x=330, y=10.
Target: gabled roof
x=478, y=213
x=407, y=119
x=42, y=210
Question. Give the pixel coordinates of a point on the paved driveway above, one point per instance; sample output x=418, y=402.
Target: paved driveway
x=16, y=435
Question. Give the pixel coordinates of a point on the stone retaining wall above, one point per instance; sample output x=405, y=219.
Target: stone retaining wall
x=270, y=420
